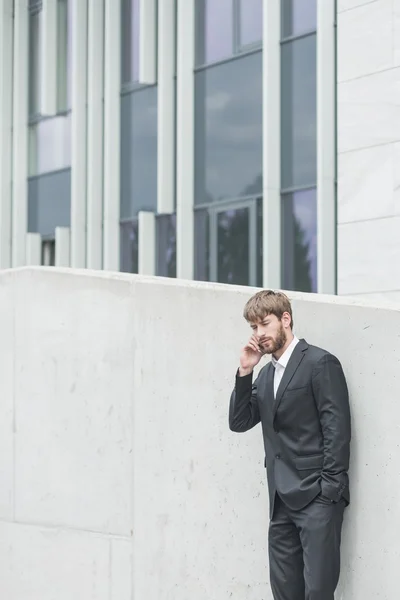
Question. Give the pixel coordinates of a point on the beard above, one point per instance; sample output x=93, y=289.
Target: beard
x=275, y=344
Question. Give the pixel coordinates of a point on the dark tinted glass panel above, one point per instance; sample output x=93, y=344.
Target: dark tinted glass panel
x=34, y=66
x=298, y=16
x=228, y=130
x=49, y=202
x=202, y=245
x=233, y=246
x=260, y=251
x=299, y=113
x=130, y=40
x=166, y=245
x=130, y=247
x=251, y=21
x=299, y=241
x=138, y=152
x=214, y=30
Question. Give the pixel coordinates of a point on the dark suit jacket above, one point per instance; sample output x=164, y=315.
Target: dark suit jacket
x=306, y=428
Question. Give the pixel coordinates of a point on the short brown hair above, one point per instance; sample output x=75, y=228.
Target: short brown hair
x=267, y=302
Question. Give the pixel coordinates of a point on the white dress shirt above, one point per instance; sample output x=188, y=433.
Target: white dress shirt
x=281, y=364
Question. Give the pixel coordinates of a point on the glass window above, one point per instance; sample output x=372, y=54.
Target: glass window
x=299, y=241
x=214, y=30
x=298, y=16
x=130, y=41
x=233, y=246
x=63, y=67
x=50, y=145
x=202, y=245
x=138, y=152
x=299, y=113
x=34, y=61
x=49, y=202
x=130, y=247
x=251, y=21
x=228, y=130
x=166, y=245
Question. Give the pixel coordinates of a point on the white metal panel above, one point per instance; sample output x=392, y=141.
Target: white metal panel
x=6, y=95
x=94, y=259
x=33, y=249
x=271, y=145
x=62, y=258
x=326, y=147
x=20, y=134
x=78, y=132
x=112, y=150
x=49, y=54
x=185, y=139
x=166, y=107
x=147, y=243
x=147, y=41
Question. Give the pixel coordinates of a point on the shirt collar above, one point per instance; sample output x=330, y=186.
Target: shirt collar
x=284, y=359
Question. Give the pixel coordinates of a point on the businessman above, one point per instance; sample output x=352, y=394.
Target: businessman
x=301, y=399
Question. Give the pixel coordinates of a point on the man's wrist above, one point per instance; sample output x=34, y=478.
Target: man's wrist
x=244, y=372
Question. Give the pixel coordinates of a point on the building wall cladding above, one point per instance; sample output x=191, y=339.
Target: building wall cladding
x=119, y=476
x=369, y=148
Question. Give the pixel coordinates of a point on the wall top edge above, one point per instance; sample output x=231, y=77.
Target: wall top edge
x=245, y=291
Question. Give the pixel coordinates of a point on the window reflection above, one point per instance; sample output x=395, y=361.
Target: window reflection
x=49, y=202
x=214, y=30
x=64, y=55
x=166, y=245
x=138, y=152
x=260, y=249
x=299, y=241
x=298, y=16
x=228, y=130
x=251, y=21
x=233, y=246
x=202, y=245
x=130, y=41
x=130, y=247
x=34, y=60
x=299, y=113
x=50, y=145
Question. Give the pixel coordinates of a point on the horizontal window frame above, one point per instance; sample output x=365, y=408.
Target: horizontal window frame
x=223, y=61
x=298, y=188
x=48, y=173
x=35, y=119
x=298, y=36
x=228, y=202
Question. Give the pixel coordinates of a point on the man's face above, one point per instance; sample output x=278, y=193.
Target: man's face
x=271, y=333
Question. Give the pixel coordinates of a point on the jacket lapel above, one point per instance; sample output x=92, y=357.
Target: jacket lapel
x=291, y=368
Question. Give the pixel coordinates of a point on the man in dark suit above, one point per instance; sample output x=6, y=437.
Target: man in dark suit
x=301, y=399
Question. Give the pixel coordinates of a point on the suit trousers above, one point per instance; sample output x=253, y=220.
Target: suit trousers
x=304, y=550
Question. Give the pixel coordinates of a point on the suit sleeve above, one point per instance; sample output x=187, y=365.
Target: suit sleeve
x=243, y=409
x=332, y=399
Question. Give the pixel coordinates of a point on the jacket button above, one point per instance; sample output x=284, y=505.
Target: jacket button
x=278, y=456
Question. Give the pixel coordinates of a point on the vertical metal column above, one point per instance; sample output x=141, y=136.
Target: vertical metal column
x=6, y=115
x=33, y=249
x=326, y=148
x=148, y=41
x=94, y=240
x=78, y=132
x=49, y=54
x=112, y=134
x=271, y=144
x=20, y=134
x=62, y=244
x=147, y=243
x=166, y=124
x=185, y=139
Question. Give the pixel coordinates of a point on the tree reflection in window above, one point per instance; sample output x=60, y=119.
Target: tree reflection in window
x=130, y=247
x=233, y=246
x=166, y=245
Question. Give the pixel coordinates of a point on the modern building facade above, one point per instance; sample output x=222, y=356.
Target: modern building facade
x=248, y=142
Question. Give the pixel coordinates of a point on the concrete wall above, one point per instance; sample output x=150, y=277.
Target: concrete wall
x=119, y=477
x=369, y=148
